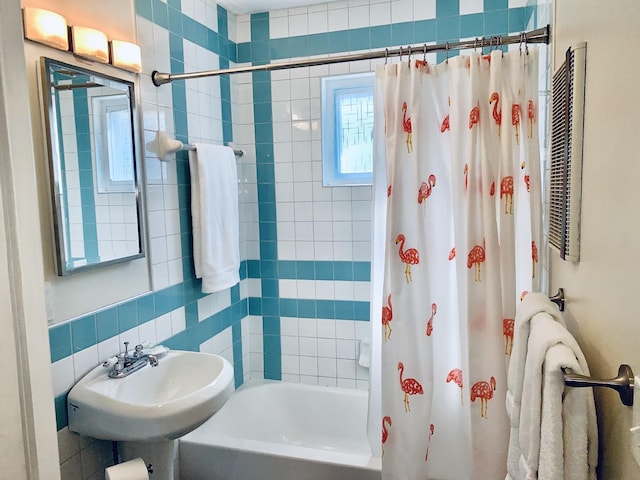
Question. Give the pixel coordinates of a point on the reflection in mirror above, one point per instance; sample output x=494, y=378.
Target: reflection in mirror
x=92, y=151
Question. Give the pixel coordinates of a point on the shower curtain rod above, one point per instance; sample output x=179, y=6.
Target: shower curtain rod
x=540, y=35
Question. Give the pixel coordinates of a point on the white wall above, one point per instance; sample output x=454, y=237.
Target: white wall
x=602, y=289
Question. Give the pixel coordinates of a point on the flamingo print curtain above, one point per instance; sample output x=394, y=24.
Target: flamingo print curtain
x=462, y=234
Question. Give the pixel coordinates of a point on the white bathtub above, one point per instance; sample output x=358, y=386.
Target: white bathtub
x=283, y=431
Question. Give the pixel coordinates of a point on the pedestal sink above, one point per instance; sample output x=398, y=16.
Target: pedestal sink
x=148, y=409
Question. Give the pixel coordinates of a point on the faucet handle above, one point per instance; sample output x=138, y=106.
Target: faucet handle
x=126, y=349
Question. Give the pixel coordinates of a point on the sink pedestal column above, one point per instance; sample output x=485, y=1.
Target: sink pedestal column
x=162, y=455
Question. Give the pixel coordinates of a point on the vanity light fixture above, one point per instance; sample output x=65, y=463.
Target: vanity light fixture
x=46, y=27
x=126, y=55
x=89, y=43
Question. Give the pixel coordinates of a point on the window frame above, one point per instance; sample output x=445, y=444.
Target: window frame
x=331, y=175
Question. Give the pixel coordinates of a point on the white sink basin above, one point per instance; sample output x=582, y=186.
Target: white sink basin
x=154, y=403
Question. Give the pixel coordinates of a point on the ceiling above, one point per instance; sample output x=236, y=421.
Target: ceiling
x=242, y=7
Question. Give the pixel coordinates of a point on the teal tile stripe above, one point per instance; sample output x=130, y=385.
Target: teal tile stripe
x=498, y=19
x=262, y=114
x=85, y=171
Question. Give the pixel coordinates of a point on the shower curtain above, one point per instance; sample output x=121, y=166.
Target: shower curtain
x=463, y=227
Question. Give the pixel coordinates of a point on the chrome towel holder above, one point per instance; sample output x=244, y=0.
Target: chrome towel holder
x=623, y=383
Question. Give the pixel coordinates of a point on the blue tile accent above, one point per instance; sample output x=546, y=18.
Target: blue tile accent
x=402, y=33
x=146, y=309
x=60, y=342
x=60, y=403
x=306, y=270
x=306, y=308
x=160, y=13
x=447, y=8
x=517, y=19
x=472, y=25
x=495, y=5
x=127, y=316
x=270, y=288
x=496, y=22
x=380, y=36
x=83, y=333
x=362, y=271
x=361, y=311
x=288, y=307
x=236, y=335
x=143, y=8
x=191, y=314
x=107, y=324
x=325, y=309
x=344, y=310
x=235, y=293
x=448, y=29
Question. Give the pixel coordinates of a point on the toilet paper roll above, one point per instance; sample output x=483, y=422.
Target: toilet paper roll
x=134, y=469
x=365, y=352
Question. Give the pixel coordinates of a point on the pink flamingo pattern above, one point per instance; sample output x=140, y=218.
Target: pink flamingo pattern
x=531, y=114
x=452, y=253
x=515, y=120
x=476, y=257
x=434, y=309
x=455, y=376
x=432, y=430
x=465, y=172
x=444, y=126
x=483, y=391
x=387, y=316
x=410, y=386
x=496, y=113
x=424, y=191
x=527, y=179
x=406, y=126
x=534, y=258
x=507, y=331
x=474, y=116
x=385, y=432
x=408, y=257
x=506, y=191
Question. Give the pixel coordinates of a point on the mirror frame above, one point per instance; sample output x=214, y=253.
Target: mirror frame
x=55, y=180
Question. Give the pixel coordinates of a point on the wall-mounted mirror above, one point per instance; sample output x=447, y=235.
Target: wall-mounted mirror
x=90, y=130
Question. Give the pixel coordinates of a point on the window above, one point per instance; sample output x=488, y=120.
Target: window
x=347, y=129
x=114, y=143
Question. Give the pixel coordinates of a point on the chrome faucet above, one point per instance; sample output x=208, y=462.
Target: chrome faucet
x=125, y=364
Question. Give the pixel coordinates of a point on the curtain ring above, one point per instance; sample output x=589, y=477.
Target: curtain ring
x=526, y=45
x=475, y=45
x=386, y=55
x=401, y=54
x=520, y=45
x=409, y=57
x=424, y=58
x=446, y=49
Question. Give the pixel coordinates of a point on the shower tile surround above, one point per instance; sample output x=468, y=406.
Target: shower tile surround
x=303, y=300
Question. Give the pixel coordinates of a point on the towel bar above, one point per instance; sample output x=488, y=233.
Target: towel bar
x=558, y=299
x=623, y=383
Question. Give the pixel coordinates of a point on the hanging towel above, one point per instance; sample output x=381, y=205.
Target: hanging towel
x=532, y=304
x=555, y=440
x=214, y=214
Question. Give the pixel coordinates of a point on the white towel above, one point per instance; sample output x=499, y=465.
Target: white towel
x=554, y=439
x=214, y=214
x=532, y=304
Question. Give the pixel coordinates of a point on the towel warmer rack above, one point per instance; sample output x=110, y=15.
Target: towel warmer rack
x=623, y=383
